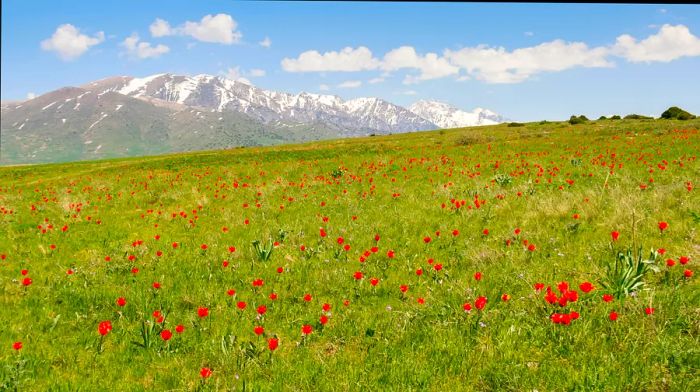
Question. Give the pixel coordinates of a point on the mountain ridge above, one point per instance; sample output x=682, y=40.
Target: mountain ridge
x=127, y=116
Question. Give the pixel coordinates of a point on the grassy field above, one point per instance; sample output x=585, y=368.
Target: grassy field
x=423, y=261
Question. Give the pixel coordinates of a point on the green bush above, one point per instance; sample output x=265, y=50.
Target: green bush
x=516, y=124
x=602, y=118
x=676, y=113
x=637, y=117
x=615, y=117
x=578, y=120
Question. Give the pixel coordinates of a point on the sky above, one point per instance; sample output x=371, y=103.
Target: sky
x=527, y=62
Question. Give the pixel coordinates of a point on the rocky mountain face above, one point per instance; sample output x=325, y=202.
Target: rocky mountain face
x=125, y=116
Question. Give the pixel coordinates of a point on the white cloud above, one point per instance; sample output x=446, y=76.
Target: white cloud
x=497, y=65
x=220, y=28
x=431, y=66
x=69, y=44
x=529, y=34
x=234, y=73
x=670, y=43
x=160, y=28
x=31, y=95
x=346, y=60
x=350, y=84
x=256, y=73
x=143, y=50
x=410, y=92
x=266, y=43
x=324, y=87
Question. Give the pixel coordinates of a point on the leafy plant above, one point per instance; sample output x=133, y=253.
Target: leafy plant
x=337, y=173
x=628, y=273
x=263, y=253
x=503, y=179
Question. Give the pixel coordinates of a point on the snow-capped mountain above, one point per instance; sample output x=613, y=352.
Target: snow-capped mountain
x=363, y=115
x=447, y=116
x=125, y=116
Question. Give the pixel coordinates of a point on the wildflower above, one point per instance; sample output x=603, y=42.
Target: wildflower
x=273, y=343
x=104, y=327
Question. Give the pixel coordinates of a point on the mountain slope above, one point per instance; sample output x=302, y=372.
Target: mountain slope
x=126, y=116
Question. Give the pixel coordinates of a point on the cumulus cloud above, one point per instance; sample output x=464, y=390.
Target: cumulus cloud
x=670, y=43
x=350, y=84
x=266, y=43
x=220, y=28
x=346, y=60
x=497, y=65
x=160, y=28
x=430, y=65
x=143, y=50
x=492, y=64
x=69, y=43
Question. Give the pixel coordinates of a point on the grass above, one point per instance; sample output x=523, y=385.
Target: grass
x=402, y=188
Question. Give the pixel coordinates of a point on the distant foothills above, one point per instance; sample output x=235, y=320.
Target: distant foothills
x=125, y=116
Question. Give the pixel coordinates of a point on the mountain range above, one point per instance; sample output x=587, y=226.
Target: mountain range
x=126, y=116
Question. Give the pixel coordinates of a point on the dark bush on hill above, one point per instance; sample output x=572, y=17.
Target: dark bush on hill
x=516, y=124
x=637, y=117
x=676, y=113
x=578, y=120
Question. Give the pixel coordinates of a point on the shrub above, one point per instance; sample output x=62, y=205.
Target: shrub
x=637, y=117
x=616, y=117
x=578, y=120
x=516, y=124
x=676, y=113
x=602, y=118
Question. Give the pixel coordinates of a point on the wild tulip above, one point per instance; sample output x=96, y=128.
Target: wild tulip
x=17, y=346
x=306, y=329
x=607, y=297
x=663, y=226
x=202, y=312
x=615, y=235
x=166, y=334
x=180, y=328
x=586, y=287
x=613, y=316
x=104, y=327
x=205, y=372
x=480, y=303
x=684, y=260
x=121, y=301
x=323, y=320
x=258, y=330
x=649, y=311
x=273, y=343
x=262, y=309
x=687, y=273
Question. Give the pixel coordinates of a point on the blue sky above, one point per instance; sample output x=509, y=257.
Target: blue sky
x=525, y=61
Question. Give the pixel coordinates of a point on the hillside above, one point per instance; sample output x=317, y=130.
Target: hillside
x=125, y=116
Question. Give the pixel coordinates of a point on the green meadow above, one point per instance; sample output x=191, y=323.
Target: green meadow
x=473, y=259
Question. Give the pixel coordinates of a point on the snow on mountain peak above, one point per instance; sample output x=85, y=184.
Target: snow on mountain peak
x=447, y=116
